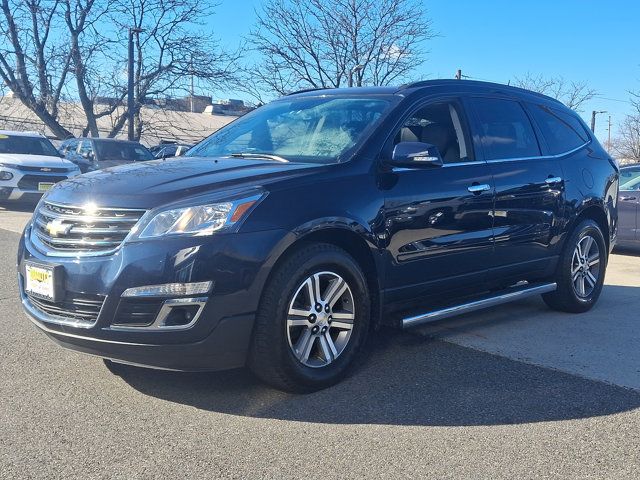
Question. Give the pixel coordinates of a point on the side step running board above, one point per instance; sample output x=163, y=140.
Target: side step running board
x=505, y=296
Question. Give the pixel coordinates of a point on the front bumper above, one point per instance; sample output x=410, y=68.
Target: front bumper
x=25, y=184
x=236, y=264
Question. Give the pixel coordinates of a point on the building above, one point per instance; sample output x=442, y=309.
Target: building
x=160, y=122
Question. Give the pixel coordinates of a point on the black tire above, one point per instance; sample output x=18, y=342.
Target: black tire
x=566, y=298
x=271, y=357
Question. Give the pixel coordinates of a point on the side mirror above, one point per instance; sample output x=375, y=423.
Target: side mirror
x=415, y=155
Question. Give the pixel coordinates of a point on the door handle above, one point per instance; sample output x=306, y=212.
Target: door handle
x=553, y=180
x=477, y=188
x=628, y=199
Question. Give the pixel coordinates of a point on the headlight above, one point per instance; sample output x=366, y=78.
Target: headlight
x=198, y=220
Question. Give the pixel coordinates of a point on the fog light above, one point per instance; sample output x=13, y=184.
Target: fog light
x=180, y=316
x=5, y=175
x=169, y=290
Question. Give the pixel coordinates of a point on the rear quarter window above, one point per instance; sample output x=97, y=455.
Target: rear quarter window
x=562, y=131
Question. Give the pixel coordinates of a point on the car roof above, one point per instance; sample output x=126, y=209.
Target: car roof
x=109, y=140
x=14, y=133
x=438, y=86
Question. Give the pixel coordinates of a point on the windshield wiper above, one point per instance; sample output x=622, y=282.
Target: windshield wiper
x=267, y=156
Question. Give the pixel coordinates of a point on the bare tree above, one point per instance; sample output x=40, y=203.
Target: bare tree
x=55, y=50
x=572, y=94
x=34, y=62
x=627, y=142
x=334, y=43
x=170, y=53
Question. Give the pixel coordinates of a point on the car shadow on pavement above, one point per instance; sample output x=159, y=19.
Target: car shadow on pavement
x=407, y=379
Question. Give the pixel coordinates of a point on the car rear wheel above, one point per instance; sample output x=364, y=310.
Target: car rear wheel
x=581, y=270
x=312, y=321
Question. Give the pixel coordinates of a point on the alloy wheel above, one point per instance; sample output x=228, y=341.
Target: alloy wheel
x=320, y=319
x=585, y=266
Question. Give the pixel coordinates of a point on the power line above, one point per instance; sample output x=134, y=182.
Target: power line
x=613, y=99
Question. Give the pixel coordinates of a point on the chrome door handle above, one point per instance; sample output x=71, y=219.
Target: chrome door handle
x=628, y=199
x=553, y=180
x=479, y=188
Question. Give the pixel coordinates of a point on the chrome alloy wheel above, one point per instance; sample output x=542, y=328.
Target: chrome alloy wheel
x=585, y=266
x=320, y=319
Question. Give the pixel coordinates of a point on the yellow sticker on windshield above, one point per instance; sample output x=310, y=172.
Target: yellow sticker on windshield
x=3, y=137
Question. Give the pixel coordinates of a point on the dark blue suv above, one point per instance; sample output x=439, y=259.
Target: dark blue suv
x=281, y=240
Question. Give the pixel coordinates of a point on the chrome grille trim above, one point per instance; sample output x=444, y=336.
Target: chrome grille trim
x=84, y=232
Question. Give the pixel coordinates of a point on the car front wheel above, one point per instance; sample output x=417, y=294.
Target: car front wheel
x=312, y=321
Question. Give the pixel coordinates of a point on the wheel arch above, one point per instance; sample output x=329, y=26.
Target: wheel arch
x=350, y=236
x=598, y=214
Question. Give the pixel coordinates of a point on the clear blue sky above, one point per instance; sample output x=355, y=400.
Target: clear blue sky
x=497, y=40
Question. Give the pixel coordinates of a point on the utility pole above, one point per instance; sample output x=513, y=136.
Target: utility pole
x=593, y=119
x=459, y=74
x=191, y=91
x=609, y=141
x=130, y=99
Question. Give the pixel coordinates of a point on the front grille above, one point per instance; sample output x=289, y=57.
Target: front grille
x=82, y=308
x=24, y=168
x=30, y=182
x=80, y=230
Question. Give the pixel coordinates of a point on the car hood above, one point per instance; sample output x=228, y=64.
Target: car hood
x=34, y=160
x=157, y=182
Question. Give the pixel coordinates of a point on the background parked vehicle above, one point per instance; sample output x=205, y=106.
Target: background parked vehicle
x=96, y=153
x=30, y=165
x=628, y=205
x=628, y=174
x=165, y=150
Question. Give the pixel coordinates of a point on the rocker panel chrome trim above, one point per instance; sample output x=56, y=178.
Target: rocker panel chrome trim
x=505, y=297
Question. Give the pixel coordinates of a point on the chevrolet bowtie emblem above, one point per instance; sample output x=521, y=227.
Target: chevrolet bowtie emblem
x=57, y=226
x=45, y=169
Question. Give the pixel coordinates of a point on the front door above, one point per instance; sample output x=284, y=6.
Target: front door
x=438, y=220
x=529, y=186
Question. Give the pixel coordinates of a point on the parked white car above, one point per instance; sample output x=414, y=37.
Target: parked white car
x=30, y=165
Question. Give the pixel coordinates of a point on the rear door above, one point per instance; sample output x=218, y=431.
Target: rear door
x=529, y=186
x=437, y=220
x=628, y=212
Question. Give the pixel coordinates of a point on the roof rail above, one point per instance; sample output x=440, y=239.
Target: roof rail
x=451, y=81
x=421, y=83
x=305, y=90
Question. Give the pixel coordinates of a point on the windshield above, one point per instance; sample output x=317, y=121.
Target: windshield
x=122, y=151
x=316, y=130
x=27, y=145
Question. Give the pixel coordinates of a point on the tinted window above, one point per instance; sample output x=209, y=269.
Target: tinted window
x=121, y=151
x=439, y=124
x=27, y=145
x=505, y=129
x=562, y=130
x=85, y=147
x=318, y=129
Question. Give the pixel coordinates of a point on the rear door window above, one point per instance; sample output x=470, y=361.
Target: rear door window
x=504, y=129
x=562, y=131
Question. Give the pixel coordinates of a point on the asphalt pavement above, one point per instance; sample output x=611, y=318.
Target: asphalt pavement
x=515, y=392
